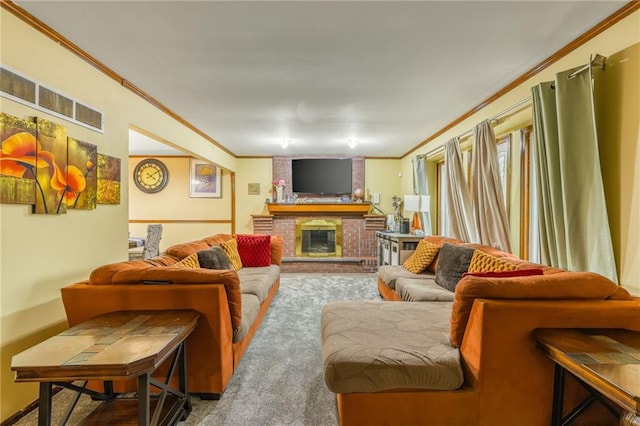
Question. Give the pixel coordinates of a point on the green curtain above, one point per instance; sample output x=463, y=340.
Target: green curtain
x=574, y=227
x=421, y=187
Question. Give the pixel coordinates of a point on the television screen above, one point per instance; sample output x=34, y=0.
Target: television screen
x=321, y=176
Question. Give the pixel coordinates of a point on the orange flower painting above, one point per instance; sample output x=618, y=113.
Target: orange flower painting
x=52, y=182
x=41, y=166
x=18, y=147
x=109, y=175
x=82, y=175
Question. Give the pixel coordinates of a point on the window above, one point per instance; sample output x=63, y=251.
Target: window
x=529, y=227
x=443, y=217
x=503, y=144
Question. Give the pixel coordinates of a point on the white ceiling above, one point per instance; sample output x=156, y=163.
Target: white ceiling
x=387, y=74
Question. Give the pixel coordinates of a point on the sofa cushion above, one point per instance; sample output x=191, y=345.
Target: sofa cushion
x=214, y=258
x=250, y=311
x=190, y=261
x=230, y=247
x=454, y=261
x=483, y=262
x=371, y=346
x=563, y=285
x=390, y=273
x=439, y=241
x=258, y=281
x=422, y=257
x=254, y=250
x=422, y=290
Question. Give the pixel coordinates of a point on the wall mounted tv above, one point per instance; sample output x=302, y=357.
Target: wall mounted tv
x=323, y=176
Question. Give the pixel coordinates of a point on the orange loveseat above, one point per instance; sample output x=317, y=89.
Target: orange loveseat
x=216, y=346
x=507, y=380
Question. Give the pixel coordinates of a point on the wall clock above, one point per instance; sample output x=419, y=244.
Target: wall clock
x=151, y=175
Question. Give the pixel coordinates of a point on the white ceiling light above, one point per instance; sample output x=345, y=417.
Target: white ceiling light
x=352, y=143
x=285, y=143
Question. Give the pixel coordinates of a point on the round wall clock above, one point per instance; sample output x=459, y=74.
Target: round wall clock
x=151, y=175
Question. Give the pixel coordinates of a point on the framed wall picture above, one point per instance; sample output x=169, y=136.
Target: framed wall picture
x=205, y=180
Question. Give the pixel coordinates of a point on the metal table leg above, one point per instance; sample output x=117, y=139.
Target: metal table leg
x=144, y=399
x=44, y=404
x=558, y=395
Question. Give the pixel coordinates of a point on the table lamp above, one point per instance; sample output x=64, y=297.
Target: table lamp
x=412, y=204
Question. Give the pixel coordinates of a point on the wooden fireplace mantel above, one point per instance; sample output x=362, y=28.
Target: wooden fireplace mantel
x=325, y=209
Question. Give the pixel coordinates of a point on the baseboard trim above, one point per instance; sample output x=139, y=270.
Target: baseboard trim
x=26, y=410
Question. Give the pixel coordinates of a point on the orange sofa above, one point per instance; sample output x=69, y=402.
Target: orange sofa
x=507, y=380
x=229, y=314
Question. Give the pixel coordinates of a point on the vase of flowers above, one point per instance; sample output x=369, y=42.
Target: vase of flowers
x=278, y=190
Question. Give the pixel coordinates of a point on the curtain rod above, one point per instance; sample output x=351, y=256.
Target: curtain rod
x=490, y=119
x=598, y=61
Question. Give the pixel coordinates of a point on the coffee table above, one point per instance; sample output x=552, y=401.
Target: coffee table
x=115, y=346
x=606, y=362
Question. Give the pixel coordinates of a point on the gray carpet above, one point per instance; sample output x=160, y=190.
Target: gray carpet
x=279, y=380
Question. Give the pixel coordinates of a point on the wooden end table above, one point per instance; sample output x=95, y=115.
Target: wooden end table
x=607, y=364
x=115, y=346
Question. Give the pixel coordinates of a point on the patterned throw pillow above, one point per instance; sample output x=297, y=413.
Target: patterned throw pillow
x=214, y=258
x=454, y=261
x=230, y=247
x=254, y=250
x=422, y=257
x=483, y=262
x=190, y=262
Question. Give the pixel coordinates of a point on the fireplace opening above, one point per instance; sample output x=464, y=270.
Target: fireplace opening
x=318, y=237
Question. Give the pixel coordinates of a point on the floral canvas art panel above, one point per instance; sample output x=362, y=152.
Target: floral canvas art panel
x=17, y=160
x=82, y=157
x=108, y=180
x=53, y=183
x=205, y=180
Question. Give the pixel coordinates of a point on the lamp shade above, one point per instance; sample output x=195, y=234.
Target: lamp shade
x=412, y=203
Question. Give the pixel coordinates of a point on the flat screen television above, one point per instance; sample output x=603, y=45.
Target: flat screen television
x=323, y=176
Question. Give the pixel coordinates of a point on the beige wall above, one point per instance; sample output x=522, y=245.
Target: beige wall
x=251, y=170
x=383, y=177
x=621, y=161
x=40, y=254
x=174, y=205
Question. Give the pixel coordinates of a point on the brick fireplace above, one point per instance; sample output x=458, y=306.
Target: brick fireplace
x=346, y=225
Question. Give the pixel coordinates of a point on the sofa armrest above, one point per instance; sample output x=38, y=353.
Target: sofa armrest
x=558, y=286
x=124, y=273
x=210, y=354
x=501, y=359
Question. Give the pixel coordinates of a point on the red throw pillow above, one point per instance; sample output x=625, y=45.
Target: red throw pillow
x=505, y=274
x=254, y=250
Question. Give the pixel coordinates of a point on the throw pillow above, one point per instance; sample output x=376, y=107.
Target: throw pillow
x=190, y=261
x=422, y=257
x=254, y=250
x=483, y=262
x=230, y=247
x=454, y=261
x=214, y=258
x=505, y=274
